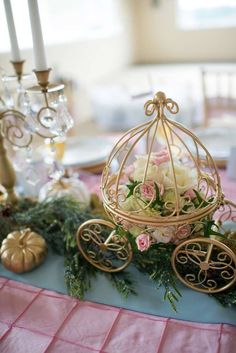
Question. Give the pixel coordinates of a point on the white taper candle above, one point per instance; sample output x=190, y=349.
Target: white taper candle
x=37, y=36
x=15, y=52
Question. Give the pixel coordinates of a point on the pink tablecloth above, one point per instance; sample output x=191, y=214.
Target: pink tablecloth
x=34, y=320
x=228, y=185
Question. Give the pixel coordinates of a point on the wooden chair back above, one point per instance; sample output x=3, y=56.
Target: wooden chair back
x=219, y=95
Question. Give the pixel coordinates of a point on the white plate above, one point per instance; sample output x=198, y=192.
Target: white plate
x=218, y=141
x=86, y=151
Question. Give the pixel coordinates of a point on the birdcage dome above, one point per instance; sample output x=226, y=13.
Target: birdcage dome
x=159, y=174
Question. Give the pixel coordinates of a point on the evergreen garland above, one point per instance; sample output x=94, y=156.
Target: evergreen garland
x=58, y=220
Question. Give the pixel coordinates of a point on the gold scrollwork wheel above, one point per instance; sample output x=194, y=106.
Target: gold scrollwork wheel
x=204, y=264
x=102, y=247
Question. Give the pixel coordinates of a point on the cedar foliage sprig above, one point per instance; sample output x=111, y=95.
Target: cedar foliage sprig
x=122, y=282
x=78, y=274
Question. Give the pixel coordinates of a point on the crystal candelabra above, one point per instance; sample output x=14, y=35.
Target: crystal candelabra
x=46, y=115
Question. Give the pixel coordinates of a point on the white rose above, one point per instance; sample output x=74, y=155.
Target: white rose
x=164, y=234
x=152, y=170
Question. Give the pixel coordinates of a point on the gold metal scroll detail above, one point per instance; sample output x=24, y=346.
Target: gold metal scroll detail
x=15, y=134
x=102, y=247
x=205, y=265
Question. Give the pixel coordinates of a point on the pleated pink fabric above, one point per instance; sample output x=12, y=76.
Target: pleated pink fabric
x=34, y=320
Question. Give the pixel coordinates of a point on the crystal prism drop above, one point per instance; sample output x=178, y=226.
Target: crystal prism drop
x=32, y=177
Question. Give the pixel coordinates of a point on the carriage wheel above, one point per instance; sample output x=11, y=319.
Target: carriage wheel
x=102, y=247
x=204, y=264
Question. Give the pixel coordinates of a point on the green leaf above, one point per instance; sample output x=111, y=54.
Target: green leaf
x=170, y=297
x=131, y=188
x=201, y=202
x=158, y=201
x=208, y=231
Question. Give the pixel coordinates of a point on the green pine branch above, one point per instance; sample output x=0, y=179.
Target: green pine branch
x=122, y=282
x=226, y=298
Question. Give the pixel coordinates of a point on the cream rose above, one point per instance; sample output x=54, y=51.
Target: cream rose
x=131, y=204
x=186, y=178
x=169, y=198
x=136, y=230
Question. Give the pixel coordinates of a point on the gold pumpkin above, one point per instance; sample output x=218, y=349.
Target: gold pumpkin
x=23, y=250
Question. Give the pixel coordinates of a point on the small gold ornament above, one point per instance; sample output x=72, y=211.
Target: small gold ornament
x=23, y=250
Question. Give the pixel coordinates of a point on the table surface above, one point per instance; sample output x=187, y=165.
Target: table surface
x=193, y=306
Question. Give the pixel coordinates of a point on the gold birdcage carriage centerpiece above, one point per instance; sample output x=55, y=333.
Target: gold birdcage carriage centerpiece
x=160, y=185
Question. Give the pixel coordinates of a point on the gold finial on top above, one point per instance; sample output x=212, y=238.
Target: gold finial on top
x=158, y=103
x=159, y=97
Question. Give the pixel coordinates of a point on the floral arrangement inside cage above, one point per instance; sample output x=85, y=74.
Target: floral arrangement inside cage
x=160, y=183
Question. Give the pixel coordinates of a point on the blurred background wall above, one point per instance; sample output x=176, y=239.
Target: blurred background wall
x=159, y=40
x=142, y=49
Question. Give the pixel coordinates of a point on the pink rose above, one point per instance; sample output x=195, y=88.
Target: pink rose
x=161, y=157
x=143, y=241
x=147, y=190
x=182, y=232
x=190, y=193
